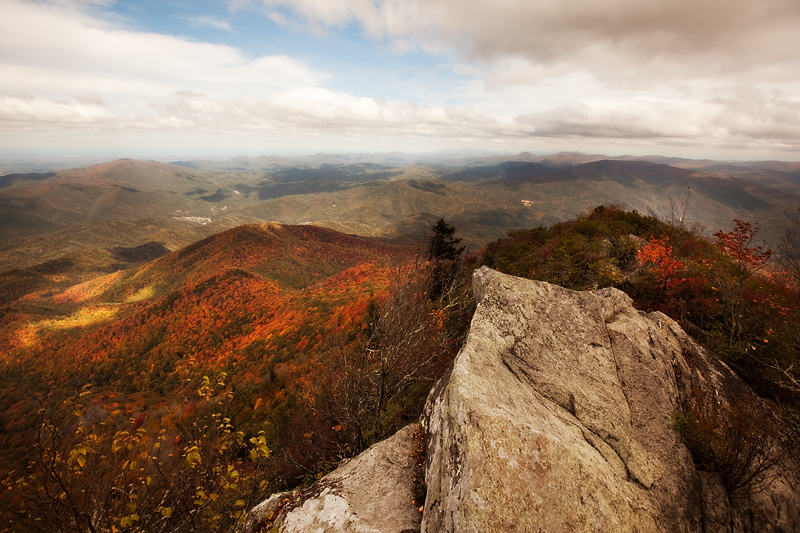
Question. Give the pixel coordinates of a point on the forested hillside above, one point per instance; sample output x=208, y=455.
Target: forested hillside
x=729, y=292
x=313, y=343
x=253, y=360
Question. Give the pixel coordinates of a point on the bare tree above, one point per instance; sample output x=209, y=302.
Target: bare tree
x=411, y=338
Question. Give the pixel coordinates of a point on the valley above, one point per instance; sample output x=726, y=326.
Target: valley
x=130, y=203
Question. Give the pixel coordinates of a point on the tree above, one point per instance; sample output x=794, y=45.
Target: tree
x=444, y=255
x=444, y=244
x=738, y=245
x=371, y=389
x=658, y=253
x=737, y=437
x=748, y=260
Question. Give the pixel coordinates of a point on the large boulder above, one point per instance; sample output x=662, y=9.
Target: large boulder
x=559, y=415
x=372, y=493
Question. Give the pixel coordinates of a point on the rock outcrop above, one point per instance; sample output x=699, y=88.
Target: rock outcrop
x=372, y=493
x=559, y=415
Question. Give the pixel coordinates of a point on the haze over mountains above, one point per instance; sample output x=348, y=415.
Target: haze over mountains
x=126, y=203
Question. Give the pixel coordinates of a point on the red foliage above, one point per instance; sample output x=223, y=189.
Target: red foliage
x=255, y=302
x=658, y=253
x=738, y=244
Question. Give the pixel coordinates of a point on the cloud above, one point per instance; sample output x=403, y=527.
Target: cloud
x=665, y=38
x=721, y=121
x=617, y=71
x=311, y=112
x=277, y=18
x=48, y=49
x=212, y=22
x=29, y=113
x=89, y=99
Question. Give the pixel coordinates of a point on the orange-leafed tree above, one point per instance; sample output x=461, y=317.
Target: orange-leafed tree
x=738, y=244
x=736, y=284
x=659, y=254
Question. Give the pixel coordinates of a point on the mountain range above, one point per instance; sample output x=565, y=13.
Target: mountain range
x=138, y=278
x=45, y=216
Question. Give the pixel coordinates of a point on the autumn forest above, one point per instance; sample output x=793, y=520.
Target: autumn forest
x=157, y=390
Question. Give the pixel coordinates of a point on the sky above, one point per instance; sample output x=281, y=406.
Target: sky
x=165, y=79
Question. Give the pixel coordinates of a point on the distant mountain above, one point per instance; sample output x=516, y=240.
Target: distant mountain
x=9, y=179
x=484, y=202
x=131, y=203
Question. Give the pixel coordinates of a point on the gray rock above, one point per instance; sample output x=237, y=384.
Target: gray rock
x=372, y=493
x=558, y=415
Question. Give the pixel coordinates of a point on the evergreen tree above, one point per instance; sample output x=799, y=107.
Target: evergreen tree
x=444, y=255
x=443, y=245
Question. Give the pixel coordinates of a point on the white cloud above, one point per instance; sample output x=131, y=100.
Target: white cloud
x=21, y=112
x=47, y=50
x=618, y=71
x=712, y=122
x=309, y=112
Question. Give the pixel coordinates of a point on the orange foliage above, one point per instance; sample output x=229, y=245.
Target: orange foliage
x=737, y=244
x=658, y=253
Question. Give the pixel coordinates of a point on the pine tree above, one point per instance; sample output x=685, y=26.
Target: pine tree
x=444, y=255
x=443, y=243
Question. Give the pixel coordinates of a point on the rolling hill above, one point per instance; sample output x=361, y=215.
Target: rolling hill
x=257, y=302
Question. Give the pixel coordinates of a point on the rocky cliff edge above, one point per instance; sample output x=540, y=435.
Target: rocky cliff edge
x=559, y=415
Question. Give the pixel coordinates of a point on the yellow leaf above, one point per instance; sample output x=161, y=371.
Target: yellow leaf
x=193, y=457
x=166, y=511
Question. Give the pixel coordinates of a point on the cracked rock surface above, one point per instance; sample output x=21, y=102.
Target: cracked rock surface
x=371, y=493
x=558, y=416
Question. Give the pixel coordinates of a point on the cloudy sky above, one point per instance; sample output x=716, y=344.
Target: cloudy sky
x=217, y=78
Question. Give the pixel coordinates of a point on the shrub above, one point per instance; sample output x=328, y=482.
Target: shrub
x=740, y=439
x=111, y=475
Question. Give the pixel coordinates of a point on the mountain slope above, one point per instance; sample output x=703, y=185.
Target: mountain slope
x=163, y=203
x=256, y=302
x=483, y=203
